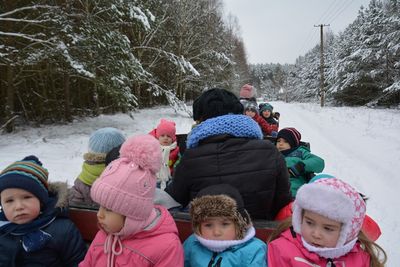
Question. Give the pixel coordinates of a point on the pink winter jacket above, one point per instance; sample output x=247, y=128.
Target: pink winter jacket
x=158, y=247
x=289, y=251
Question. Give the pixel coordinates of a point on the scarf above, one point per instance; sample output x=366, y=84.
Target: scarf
x=33, y=237
x=164, y=175
x=234, y=125
x=90, y=172
x=221, y=245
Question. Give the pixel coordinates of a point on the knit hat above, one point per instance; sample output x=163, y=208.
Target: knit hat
x=105, y=139
x=220, y=200
x=334, y=199
x=128, y=183
x=265, y=106
x=166, y=127
x=247, y=91
x=27, y=174
x=249, y=105
x=215, y=102
x=291, y=135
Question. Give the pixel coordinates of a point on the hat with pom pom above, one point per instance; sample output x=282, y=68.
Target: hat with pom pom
x=105, y=139
x=166, y=127
x=128, y=184
x=27, y=174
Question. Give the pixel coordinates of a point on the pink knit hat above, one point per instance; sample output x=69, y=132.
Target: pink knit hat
x=128, y=184
x=247, y=91
x=334, y=199
x=166, y=127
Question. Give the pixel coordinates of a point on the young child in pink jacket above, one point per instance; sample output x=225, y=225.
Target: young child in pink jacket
x=133, y=232
x=326, y=230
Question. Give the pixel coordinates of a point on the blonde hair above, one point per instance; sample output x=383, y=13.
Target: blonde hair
x=377, y=254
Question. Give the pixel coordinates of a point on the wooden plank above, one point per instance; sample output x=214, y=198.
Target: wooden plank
x=85, y=220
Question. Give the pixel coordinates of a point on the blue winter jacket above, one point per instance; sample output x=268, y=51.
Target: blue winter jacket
x=251, y=253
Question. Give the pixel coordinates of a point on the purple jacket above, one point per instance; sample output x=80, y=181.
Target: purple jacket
x=158, y=247
x=289, y=251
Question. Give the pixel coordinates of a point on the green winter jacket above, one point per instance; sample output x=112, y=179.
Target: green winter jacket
x=312, y=163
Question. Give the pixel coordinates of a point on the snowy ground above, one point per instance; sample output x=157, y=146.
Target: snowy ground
x=359, y=145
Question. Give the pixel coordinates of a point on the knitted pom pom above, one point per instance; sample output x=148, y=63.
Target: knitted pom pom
x=144, y=150
x=34, y=159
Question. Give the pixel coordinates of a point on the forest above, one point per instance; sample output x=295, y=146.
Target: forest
x=60, y=60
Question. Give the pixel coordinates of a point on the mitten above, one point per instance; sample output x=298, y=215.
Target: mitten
x=297, y=169
x=274, y=134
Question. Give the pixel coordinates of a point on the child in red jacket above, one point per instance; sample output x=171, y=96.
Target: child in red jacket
x=326, y=230
x=166, y=135
x=251, y=110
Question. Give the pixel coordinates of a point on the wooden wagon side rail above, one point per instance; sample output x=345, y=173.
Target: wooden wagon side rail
x=85, y=220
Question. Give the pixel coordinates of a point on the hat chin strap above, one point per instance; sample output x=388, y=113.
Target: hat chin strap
x=132, y=226
x=330, y=253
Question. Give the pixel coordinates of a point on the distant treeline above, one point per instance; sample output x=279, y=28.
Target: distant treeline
x=362, y=64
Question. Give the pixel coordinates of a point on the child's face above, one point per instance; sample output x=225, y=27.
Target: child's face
x=165, y=140
x=266, y=113
x=320, y=231
x=110, y=221
x=250, y=113
x=281, y=144
x=20, y=206
x=218, y=228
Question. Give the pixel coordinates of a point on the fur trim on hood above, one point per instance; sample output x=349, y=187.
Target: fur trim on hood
x=59, y=189
x=94, y=157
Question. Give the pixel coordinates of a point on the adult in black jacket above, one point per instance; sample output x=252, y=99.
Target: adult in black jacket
x=228, y=148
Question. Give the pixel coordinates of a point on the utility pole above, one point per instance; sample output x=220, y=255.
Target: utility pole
x=322, y=89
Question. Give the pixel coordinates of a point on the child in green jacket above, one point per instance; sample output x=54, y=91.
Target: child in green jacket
x=300, y=161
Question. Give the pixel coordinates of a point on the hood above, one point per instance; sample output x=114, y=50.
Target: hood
x=165, y=224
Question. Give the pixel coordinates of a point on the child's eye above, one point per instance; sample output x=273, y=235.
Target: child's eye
x=9, y=201
x=329, y=229
x=208, y=225
x=309, y=222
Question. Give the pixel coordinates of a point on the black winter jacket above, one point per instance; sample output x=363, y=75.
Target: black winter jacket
x=255, y=167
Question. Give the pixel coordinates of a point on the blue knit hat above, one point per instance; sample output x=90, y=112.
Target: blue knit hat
x=27, y=174
x=105, y=139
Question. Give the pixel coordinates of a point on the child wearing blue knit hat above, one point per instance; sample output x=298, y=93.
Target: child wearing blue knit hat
x=101, y=142
x=34, y=229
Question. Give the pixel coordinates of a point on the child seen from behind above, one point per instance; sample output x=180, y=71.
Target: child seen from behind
x=166, y=135
x=326, y=230
x=223, y=232
x=133, y=231
x=300, y=161
x=101, y=142
x=34, y=226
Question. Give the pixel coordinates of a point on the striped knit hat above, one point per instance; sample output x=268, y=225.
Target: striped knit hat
x=291, y=135
x=27, y=174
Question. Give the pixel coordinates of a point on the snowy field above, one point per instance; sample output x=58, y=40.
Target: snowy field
x=359, y=145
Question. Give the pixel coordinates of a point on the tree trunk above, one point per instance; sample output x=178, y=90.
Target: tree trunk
x=67, y=108
x=10, y=99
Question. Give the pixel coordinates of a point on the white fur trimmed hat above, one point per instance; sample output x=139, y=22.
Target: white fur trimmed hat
x=334, y=199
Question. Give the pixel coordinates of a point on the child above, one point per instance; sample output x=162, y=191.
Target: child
x=165, y=133
x=34, y=227
x=266, y=112
x=133, y=232
x=100, y=143
x=327, y=219
x=251, y=110
x=247, y=94
x=299, y=160
x=223, y=232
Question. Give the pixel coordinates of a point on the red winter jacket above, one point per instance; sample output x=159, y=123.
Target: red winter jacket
x=265, y=127
x=288, y=251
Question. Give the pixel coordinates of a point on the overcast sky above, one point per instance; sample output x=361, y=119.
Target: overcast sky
x=278, y=31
